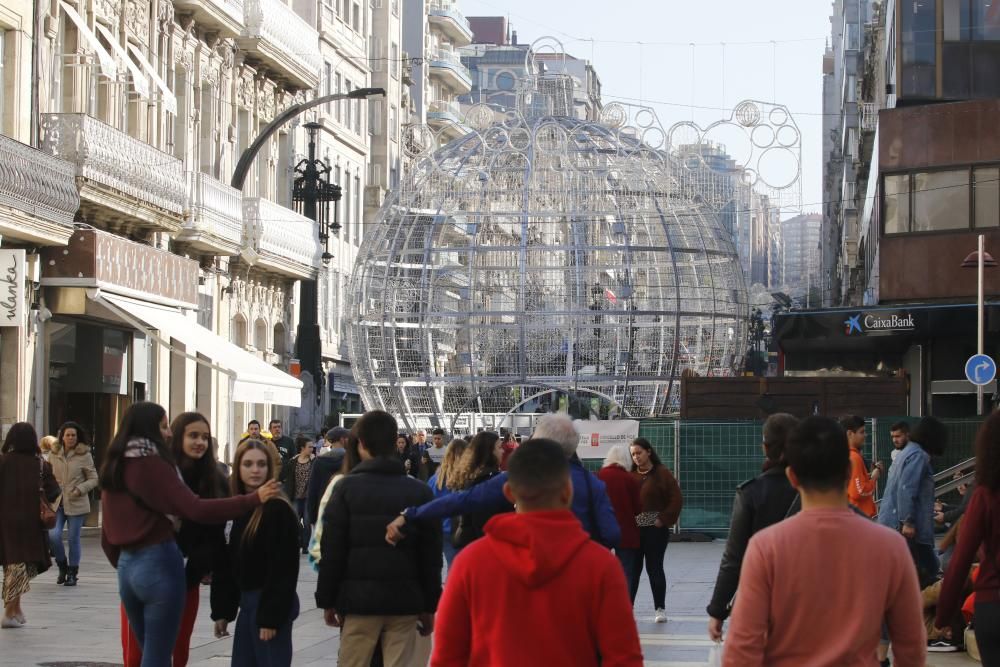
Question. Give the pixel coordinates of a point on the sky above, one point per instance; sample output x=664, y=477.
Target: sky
x=773, y=52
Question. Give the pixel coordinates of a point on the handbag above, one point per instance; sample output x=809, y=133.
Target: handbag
x=46, y=515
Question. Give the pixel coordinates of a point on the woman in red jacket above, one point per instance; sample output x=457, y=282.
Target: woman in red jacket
x=623, y=491
x=143, y=495
x=661, y=500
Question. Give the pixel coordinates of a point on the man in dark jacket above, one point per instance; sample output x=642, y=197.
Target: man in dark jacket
x=285, y=445
x=366, y=587
x=760, y=502
x=325, y=467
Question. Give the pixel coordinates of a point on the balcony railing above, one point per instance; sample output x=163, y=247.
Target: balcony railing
x=214, y=215
x=451, y=61
x=452, y=20
x=868, y=111
x=285, y=241
x=227, y=14
x=441, y=110
x=37, y=183
x=284, y=38
x=108, y=157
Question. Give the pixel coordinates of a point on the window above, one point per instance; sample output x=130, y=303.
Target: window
x=394, y=60
x=392, y=129
x=345, y=199
x=852, y=88
x=280, y=342
x=986, y=196
x=374, y=116
x=357, y=207
x=940, y=200
x=239, y=332
x=348, y=87
x=327, y=82
x=919, y=27
x=853, y=36
x=260, y=335
x=985, y=20
x=897, y=203
x=358, y=116
x=356, y=18
x=337, y=105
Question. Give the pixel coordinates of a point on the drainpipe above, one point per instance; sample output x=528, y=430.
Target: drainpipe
x=36, y=56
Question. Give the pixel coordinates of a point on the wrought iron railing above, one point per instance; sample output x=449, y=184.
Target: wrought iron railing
x=37, y=183
x=280, y=233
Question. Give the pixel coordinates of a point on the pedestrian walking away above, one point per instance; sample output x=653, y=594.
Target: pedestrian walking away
x=26, y=481
x=439, y=487
x=661, y=501
x=202, y=545
x=623, y=491
x=73, y=466
x=760, y=502
x=264, y=567
x=141, y=491
x=325, y=467
x=480, y=463
x=536, y=590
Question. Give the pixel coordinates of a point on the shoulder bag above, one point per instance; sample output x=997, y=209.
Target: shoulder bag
x=46, y=515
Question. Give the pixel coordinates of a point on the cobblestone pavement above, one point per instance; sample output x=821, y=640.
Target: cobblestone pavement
x=77, y=627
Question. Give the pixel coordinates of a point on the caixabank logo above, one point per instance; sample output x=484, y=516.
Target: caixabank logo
x=878, y=323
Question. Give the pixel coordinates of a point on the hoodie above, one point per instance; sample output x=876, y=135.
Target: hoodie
x=535, y=591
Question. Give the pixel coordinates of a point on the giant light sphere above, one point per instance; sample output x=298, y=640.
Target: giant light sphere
x=541, y=252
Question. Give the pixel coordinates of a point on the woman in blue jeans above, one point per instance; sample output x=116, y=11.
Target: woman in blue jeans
x=143, y=493
x=263, y=570
x=73, y=467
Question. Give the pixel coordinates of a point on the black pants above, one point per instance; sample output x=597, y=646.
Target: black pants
x=986, y=618
x=653, y=543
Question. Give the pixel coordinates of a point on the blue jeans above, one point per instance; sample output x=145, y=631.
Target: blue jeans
x=627, y=558
x=74, y=523
x=152, y=588
x=248, y=649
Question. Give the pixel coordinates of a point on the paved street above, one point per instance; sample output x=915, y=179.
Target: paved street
x=75, y=627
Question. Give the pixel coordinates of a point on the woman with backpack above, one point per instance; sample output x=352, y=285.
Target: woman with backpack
x=73, y=466
x=479, y=463
x=143, y=493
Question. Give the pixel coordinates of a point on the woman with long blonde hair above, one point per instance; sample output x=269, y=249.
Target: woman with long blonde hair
x=439, y=485
x=264, y=567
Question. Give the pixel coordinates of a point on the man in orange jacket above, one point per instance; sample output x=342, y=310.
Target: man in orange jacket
x=861, y=490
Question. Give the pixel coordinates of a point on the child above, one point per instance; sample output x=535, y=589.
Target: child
x=557, y=598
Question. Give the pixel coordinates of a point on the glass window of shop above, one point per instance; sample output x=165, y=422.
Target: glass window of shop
x=896, y=203
x=940, y=200
x=919, y=26
x=986, y=196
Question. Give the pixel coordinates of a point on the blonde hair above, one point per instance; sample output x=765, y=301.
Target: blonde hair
x=238, y=488
x=477, y=459
x=48, y=443
x=452, y=455
x=618, y=456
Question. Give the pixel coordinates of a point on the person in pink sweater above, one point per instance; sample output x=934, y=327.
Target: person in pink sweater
x=816, y=588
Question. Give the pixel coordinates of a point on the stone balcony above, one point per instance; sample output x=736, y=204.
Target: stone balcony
x=447, y=65
x=445, y=16
x=225, y=16
x=121, y=180
x=282, y=240
x=447, y=116
x=283, y=40
x=213, y=216
x=38, y=192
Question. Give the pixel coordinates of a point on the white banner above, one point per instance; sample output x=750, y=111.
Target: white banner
x=597, y=437
x=11, y=288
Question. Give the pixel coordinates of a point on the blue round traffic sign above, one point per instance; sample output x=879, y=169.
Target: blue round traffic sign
x=980, y=369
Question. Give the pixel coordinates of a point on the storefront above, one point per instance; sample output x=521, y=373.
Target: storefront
x=928, y=343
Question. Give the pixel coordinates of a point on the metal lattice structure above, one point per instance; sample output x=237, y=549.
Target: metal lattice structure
x=542, y=252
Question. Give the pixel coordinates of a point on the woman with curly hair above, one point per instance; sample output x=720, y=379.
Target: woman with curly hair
x=479, y=462
x=439, y=485
x=980, y=528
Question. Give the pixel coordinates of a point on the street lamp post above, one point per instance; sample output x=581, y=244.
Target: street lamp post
x=979, y=260
x=312, y=193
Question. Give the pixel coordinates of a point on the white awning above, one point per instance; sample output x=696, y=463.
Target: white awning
x=169, y=99
x=108, y=65
x=138, y=78
x=254, y=381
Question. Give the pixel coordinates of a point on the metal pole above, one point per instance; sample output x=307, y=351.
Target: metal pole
x=979, y=321
x=677, y=462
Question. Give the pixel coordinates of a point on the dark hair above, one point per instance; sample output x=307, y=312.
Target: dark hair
x=537, y=471
x=253, y=421
x=648, y=446
x=302, y=441
x=409, y=442
x=273, y=422
x=900, y=426
x=81, y=434
x=21, y=439
x=141, y=420
x=201, y=475
x=776, y=430
x=437, y=431
x=988, y=453
x=818, y=454
x=351, y=456
x=377, y=431
x=932, y=435
x=852, y=423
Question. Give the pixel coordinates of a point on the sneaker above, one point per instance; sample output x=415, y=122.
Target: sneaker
x=941, y=646
x=661, y=616
x=9, y=622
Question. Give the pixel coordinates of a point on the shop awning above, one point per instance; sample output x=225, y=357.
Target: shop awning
x=107, y=61
x=254, y=381
x=138, y=77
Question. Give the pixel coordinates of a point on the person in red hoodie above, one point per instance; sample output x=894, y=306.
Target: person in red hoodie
x=623, y=491
x=536, y=590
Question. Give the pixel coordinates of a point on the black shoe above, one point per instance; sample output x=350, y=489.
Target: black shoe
x=71, y=575
x=885, y=663
x=941, y=646
x=61, y=579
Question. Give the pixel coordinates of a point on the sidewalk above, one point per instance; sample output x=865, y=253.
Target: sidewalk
x=78, y=627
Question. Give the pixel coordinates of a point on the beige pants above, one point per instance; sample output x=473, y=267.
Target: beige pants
x=360, y=634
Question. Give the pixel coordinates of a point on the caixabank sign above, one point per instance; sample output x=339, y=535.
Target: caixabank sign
x=878, y=323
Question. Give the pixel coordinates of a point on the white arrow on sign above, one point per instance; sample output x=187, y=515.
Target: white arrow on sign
x=984, y=367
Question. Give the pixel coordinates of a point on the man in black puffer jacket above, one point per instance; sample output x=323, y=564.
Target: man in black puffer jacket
x=367, y=587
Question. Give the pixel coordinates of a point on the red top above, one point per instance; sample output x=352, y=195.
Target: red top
x=816, y=588
x=129, y=524
x=623, y=490
x=509, y=447
x=535, y=591
x=980, y=526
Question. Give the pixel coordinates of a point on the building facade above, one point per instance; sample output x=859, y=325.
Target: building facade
x=801, y=256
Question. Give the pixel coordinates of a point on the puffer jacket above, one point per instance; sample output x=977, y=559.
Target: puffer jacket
x=76, y=474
